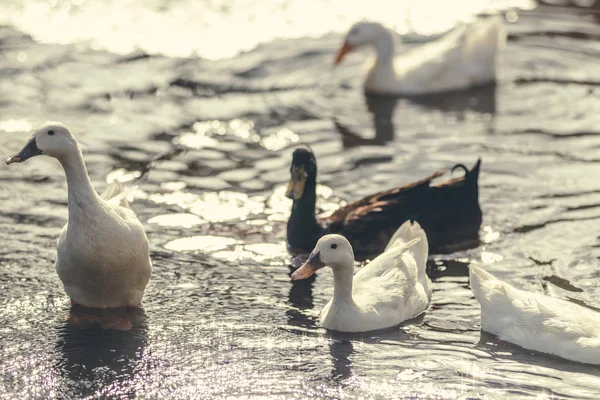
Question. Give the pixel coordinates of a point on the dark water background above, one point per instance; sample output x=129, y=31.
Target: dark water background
x=211, y=142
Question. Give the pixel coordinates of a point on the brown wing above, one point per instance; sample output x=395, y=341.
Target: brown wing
x=374, y=206
x=369, y=223
x=441, y=209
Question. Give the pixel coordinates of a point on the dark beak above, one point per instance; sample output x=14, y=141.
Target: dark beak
x=312, y=265
x=30, y=150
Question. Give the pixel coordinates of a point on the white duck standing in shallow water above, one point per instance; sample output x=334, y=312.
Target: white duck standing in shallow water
x=463, y=58
x=103, y=252
x=392, y=288
x=536, y=322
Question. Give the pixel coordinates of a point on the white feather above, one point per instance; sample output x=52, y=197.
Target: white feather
x=536, y=322
x=465, y=57
x=102, y=252
x=392, y=288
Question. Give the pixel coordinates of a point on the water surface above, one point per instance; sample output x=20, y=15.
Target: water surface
x=208, y=144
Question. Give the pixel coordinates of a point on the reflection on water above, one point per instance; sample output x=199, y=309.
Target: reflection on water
x=340, y=351
x=100, y=351
x=480, y=100
x=209, y=146
x=439, y=268
x=382, y=108
x=127, y=26
x=301, y=299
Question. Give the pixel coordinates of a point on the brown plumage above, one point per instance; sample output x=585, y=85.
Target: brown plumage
x=449, y=212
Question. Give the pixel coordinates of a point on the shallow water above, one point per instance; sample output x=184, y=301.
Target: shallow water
x=208, y=144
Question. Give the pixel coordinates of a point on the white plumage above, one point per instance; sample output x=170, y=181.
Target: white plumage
x=465, y=57
x=392, y=288
x=103, y=252
x=535, y=321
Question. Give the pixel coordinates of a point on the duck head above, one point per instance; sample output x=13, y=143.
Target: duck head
x=51, y=138
x=364, y=34
x=303, y=170
x=333, y=251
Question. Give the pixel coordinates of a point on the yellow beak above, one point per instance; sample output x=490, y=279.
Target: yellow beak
x=295, y=187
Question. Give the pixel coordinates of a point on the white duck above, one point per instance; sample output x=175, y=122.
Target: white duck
x=536, y=322
x=103, y=252
x=463, y=58
x=389, y=290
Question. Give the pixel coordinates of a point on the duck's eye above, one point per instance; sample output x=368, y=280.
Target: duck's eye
x=334, y=246
x=50, y=132
x=353, y=31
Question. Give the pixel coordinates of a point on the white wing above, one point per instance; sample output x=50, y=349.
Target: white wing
x=116, y=194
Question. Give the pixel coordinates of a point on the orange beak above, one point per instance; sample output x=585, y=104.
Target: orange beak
x=312, y=265
x=345, y=49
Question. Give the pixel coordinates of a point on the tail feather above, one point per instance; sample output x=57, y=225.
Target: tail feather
x=589, y=342
x=471, y=185
x=480, y=274
x=112, y=190
x=473, y=174
x=115, y=193
x=407, y=233
x=401, y=246
x=483, y=40
x=479, y=280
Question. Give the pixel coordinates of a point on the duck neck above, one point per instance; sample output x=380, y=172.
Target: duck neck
x=81, y=193
x=384, y=47
x=303, y=228
x=305, y=205
x=342, y=284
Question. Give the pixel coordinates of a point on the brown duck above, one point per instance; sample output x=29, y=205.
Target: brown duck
x=449, y=212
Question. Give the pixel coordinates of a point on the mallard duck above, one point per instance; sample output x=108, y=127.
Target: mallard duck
x=463, y=58
x=448, y=212
x=390, y=289
x=536, y=322
x=103, y=252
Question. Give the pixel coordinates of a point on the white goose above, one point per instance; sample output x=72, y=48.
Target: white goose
x=389, y=290
x=103, y=252
x=536, y=322
x=463, y=58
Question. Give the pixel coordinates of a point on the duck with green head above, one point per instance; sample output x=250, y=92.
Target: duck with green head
x=449, y=212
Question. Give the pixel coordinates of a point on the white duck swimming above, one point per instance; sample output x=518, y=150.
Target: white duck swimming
x=389, y=290
x=463, y=58
x=103, y=252
x=536, y=322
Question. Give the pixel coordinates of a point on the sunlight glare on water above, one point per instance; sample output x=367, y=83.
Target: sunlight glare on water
x=205, y=132
x=211, y=206
x=213, y=29
x=204, y=243
x=208, y=146
x=15, y=125
x=182, y=220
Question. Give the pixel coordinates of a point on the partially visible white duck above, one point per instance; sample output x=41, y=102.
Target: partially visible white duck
x=536, y=322
x=103, y=252
x=463, y=58
x=389, y=290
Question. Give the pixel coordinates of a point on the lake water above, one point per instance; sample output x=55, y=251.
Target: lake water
x=160, y=91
